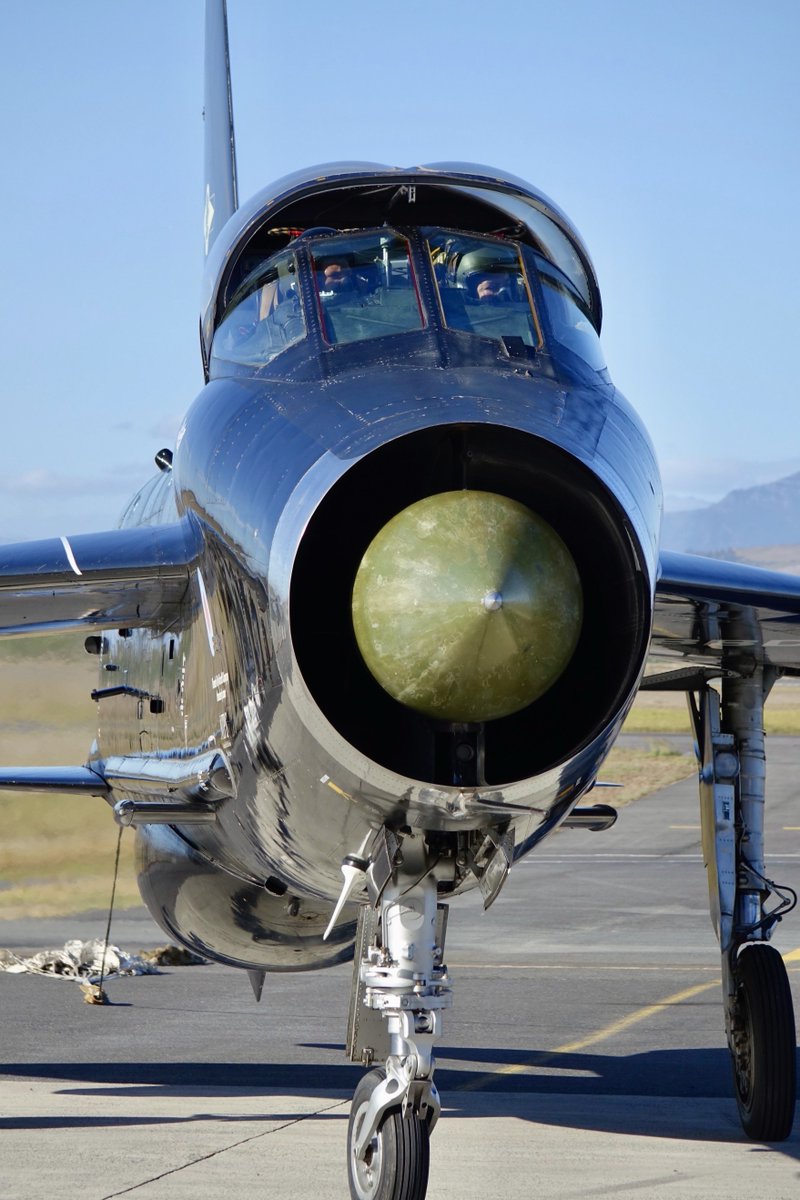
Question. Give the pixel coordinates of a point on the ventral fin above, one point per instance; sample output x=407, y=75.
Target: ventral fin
x=257, y=983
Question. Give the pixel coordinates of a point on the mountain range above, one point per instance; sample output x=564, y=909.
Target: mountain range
x=766, y=515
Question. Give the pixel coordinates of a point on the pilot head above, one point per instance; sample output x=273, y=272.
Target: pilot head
x=335, y=276
x=491, y=286
x=484, y=277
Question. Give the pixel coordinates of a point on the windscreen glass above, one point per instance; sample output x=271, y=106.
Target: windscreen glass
x=567, y=315
x=265, y=315
x=557, y=246
x=482, y=286
x=366, y=287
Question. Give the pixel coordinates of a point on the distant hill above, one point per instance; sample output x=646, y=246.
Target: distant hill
x=774, y=558
x=767, y=515
x=673, y=503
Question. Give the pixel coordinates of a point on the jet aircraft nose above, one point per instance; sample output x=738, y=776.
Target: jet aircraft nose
x=467, y=606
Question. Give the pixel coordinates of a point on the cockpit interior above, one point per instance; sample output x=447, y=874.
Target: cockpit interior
x=516, y=288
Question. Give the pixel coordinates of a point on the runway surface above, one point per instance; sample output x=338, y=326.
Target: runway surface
x=585, y=1055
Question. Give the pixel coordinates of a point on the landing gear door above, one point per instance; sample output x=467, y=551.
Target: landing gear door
x=717, y=814
x=367, y=1035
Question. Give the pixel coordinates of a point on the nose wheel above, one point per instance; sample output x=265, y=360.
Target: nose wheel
x=394, y=1164
x=763, y=1044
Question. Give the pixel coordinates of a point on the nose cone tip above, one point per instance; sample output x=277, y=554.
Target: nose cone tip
x=467, y=606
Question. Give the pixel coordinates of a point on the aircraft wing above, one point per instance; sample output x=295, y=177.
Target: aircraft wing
x=120, y=578
x=707, y=608
x=123, y=578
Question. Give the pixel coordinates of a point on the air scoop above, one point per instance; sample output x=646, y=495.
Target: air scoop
x=467, y=606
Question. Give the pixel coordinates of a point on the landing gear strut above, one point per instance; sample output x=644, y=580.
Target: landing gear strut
x=759, y=1014
x=402, y=983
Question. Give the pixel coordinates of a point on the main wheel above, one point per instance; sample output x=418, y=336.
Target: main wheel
x=763, y=1048
x=395, y=1166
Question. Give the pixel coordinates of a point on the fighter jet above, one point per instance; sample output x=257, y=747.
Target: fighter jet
x=367, y=637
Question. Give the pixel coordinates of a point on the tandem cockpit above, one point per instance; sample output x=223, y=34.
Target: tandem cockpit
x=505, y=279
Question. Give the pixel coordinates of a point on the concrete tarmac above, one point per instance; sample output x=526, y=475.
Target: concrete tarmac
x=585, y=1055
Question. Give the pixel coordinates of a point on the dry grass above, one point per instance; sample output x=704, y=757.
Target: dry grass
x=773, y=558
x=57, y=856
x=666, y=712
x=64, y=894
x=57, y=852
x=642, y=771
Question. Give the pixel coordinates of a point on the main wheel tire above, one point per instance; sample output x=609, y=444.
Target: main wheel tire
x=764, y=1049
x=397, y=1160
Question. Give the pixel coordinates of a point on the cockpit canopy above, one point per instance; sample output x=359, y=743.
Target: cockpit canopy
x=404, y=274
x=351, y=287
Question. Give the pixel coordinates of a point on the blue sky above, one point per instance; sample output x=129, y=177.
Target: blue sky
x=667, y=131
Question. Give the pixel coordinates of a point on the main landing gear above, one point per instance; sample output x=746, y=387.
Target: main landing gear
x=763, y=1043
x=400, y=992
x=745, y=905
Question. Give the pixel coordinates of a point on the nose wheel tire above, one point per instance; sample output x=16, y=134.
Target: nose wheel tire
x=395, y=1165
x=763, y=1044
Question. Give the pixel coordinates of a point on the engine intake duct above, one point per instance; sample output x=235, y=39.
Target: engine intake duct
x=452, y=503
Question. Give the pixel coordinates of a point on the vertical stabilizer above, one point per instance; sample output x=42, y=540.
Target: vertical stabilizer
x=221, y=198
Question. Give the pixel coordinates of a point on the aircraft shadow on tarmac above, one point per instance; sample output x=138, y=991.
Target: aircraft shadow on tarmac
x=597, y=1083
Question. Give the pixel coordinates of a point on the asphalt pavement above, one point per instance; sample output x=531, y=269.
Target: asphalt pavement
x=585, y=1055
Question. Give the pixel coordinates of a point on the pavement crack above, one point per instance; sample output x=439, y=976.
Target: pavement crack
x=224, y=1149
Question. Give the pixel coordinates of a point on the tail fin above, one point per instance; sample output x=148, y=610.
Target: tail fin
x=221, y=198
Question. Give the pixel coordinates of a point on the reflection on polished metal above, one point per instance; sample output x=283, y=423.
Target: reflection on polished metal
x=133, y=812
x=595, y=818
x=467, y=606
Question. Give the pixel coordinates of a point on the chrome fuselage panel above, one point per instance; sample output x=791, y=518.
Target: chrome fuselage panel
x=284, y=473
x=255, y=461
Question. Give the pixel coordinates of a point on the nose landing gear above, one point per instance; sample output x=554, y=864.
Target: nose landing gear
x=401, y=988
x=395, y=1161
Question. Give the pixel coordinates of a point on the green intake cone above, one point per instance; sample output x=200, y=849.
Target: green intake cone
x=467, y=606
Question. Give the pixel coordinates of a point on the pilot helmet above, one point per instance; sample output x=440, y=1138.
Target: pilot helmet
x=476, y=264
